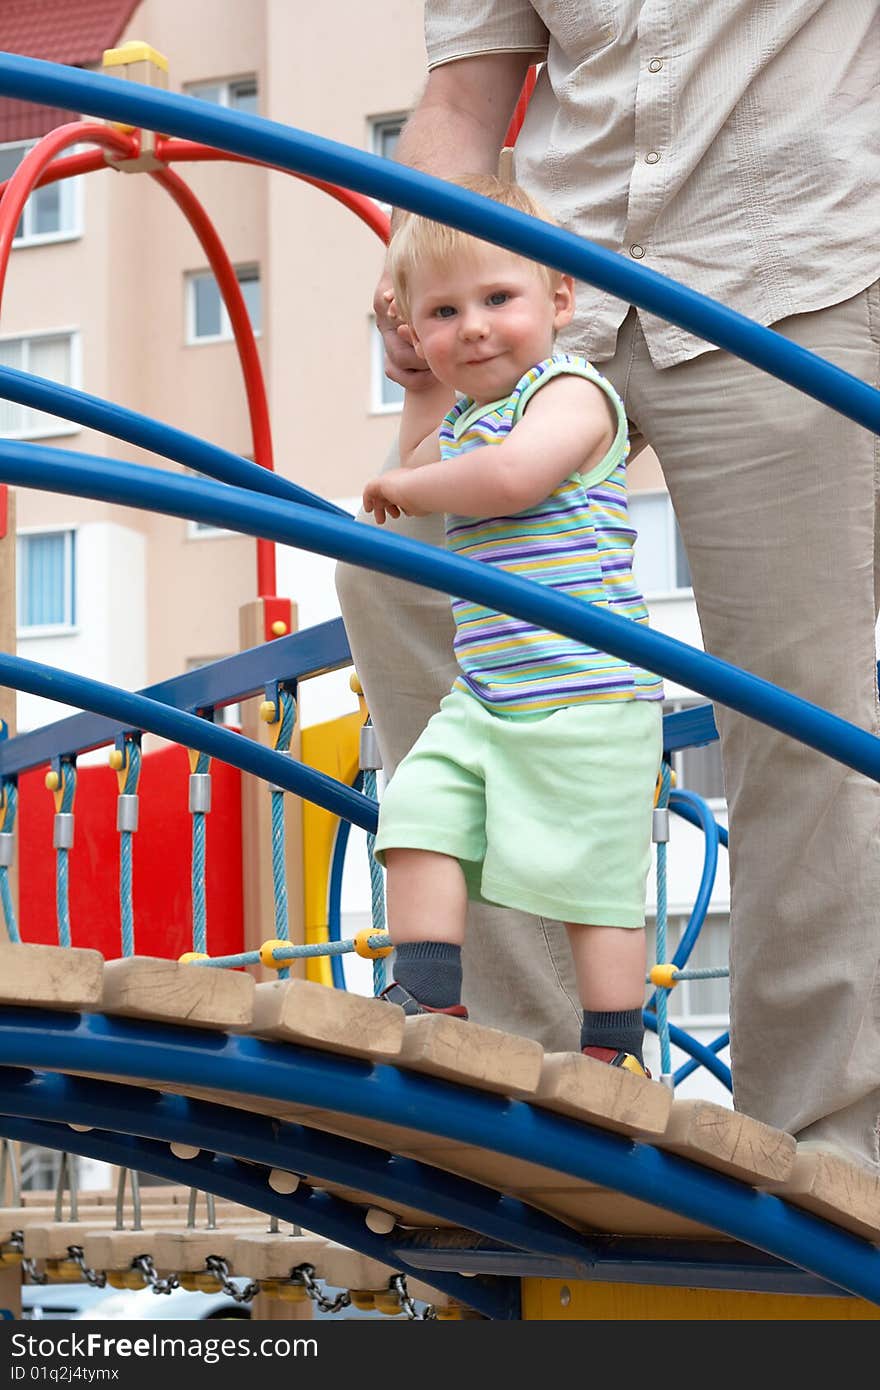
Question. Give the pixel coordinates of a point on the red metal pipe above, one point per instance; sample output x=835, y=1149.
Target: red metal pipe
x=258, y=406
x=519, y=113
x=28, y=174
x=190, y=151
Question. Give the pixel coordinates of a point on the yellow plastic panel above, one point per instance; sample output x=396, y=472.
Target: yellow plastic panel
x=555, y=1300
x=334, y=748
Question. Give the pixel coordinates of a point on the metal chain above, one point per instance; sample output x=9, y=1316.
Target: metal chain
x=144, y=1265
x=397, y=1283
x=217, y=1266
x=91, y=1276
x=29, y=1267
x=305, y=1275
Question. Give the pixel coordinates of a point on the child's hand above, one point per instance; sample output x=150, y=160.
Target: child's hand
x=388, y=496
x=402, y=363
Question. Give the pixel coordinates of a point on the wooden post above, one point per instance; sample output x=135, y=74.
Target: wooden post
x=256, y=621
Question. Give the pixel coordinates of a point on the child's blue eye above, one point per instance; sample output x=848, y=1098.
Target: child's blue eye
x=499, y=297
x=445, y=311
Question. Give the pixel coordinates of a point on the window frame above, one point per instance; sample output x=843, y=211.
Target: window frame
x=672, y=532
x=71, y=192
x=63, y=428
x=378, y=377
x=224, y=85
x=226, y=334
x=69, y=627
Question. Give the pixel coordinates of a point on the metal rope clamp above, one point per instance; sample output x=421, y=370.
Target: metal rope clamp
x=7, y=848
x=199, y=793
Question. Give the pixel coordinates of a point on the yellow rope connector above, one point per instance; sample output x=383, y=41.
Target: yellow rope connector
x=659, y=786
x=267, y=958
x=52, y=781
x=663, y=976
x=363, y=948
x=189, y=956
x=270, y=713
x=354, y=683
x=116, y=759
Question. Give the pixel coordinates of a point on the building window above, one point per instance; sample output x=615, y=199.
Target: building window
x=207, y=319
x=698, y=1003
x=238, y=93
x=50, y=355
x=659, y=561
x=385, y=133
x=51, y=213
x=385, y=394
x=697, y=769
x=46, y=582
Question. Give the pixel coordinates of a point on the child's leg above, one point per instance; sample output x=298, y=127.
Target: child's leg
x=427, y=902
x=610, y=964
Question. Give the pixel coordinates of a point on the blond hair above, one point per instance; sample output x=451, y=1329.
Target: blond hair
x=419, y=241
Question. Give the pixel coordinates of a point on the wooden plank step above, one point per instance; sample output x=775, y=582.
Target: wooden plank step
x=301, y=1011
x=730, y=1143
x=176, y=1252
x=270, y=1255
x=836, y=1189
x=586, y=1089
x=50, y=977
x=170, y=991
x=485, y=1058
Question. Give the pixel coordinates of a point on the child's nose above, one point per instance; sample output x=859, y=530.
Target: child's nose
x=473, y=324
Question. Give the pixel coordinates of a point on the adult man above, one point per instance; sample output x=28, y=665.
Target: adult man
x=733, y=148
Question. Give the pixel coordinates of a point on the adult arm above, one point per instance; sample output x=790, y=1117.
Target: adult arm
x=457, y=127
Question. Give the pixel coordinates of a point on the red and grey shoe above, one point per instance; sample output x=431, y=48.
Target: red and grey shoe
x=615, y=1058
x=396, y=994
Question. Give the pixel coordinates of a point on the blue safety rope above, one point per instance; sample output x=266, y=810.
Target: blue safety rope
x=8, y=806
x=287, y=720
x=67, y=774
x=200, y=765
x=377, y=887
x=132, y=754
x=662, y=1020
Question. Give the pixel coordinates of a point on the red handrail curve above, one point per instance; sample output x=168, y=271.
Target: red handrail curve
x=255, y=387
x=37, y=169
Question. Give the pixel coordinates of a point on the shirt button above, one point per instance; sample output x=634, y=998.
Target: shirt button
x=637, y=252
x=652, y=158
x=655, y=65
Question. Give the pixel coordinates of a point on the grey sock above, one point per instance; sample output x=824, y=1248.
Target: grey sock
x=622, y=1029
x=430, y=970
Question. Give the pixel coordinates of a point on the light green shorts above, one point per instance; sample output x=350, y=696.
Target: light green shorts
x=549, y=815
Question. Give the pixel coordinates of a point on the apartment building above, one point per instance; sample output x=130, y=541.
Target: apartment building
x=109, y=290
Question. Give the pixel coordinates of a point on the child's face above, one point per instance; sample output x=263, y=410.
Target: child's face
x=484, y=320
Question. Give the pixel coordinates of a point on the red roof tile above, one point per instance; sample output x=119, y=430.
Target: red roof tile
x=74, y=32
x=63, y=31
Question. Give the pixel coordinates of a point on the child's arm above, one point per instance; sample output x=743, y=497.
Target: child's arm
x=567, y=428
x=423, y=413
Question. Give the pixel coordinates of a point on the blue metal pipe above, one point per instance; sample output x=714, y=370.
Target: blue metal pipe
x=710, y=829
x=321, y=648
x=159, y=438
x=717, y=1045
x=131, y=485
x=239, y=1182
x=401, y=1182
x=283, y=147
x=162, y=1055
x=138, y=712
x=704, y=1055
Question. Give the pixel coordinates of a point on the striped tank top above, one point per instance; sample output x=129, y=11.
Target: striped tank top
x=577, y=541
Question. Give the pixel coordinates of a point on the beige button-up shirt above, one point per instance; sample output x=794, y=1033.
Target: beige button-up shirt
x=733, y=145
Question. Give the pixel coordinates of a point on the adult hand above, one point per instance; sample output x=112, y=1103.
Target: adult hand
x=402, y=363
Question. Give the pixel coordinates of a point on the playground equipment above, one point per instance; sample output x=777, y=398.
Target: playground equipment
x=509, y=1182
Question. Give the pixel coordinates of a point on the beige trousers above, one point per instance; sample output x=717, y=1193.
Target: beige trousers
x=776, y=497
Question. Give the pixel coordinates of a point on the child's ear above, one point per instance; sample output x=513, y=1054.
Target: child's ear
x=563, y=302
x=409, y=333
